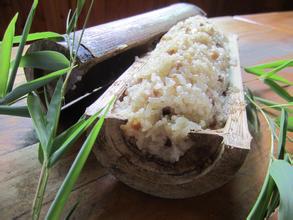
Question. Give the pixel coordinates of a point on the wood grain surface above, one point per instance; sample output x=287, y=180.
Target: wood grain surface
x=262, y=38
x=109, y=10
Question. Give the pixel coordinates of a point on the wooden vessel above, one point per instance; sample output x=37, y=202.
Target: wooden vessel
x=213, y=160
x=106, y=52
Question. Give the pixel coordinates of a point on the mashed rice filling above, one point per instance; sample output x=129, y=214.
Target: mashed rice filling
x=181, y=88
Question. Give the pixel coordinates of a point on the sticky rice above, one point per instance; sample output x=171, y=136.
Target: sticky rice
x=181, y=88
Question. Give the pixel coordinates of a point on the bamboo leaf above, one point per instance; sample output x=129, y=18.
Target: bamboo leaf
x=21, y=45
x=282, y=174
x=271, y=65
x=21, y=111
x=57, y=205
x=46, y=60
x=32, y=85
x=38, y=118
x=39, y=36
x=74, y=18
x=259, y=72
x=258, y=211
x=275, y=200
x=40, y=154
x=64, y=141
x=5, y=54
x=282, y=134
x=289, y=123
x=272, y=104
x=279, y=90
x=277, y=69
x=53, y=113
x=61, y=138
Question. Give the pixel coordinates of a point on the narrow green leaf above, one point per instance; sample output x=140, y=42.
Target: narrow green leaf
x=270, y=65
x=45, y=93
x=282, y=134
x=289, y=104
x=21, y=45
x=31, y=86
x=21, y=111
x=274, y=203
x=57, y=205
x=46, y=60
x=40, y=154
x=53, y=113
x=39, y=36
x=289, y=123
x=279, y=90
x=258, y=211
x=61, y=138
x=5, y=54
x=38, y=118
x=75, y=16
x=277, y=69
x=272, y=104
x=282, y=174
x=259, y=72
x=65, y=140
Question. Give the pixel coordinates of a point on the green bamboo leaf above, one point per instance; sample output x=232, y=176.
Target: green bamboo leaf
x=282, y=134
x=277, y=69
x=21, y=111
x=21, y=45
x=40, y=154
x=289, y=123
x=39, y=36
x=279, y=90
x=39, y=120
x=53, y=113
x=61, y=138
x=75, y=16
x=259, y=72
x=275, y=200
x=32, y=85
x=270, y=65
x=46, y=60
x=65, y=140
x=57, y=205
x=259, y=209
x=273, y=104
x=5, y=54
x=282, y=174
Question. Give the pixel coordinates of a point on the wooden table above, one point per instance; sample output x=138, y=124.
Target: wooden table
x=262, y=37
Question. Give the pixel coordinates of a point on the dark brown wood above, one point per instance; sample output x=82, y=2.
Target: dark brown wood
x=109, y=10
x=104, y=197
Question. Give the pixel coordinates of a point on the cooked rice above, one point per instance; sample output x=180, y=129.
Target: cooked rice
x=180, y=89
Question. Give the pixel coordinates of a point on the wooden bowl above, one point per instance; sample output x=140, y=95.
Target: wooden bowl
x=213, y=160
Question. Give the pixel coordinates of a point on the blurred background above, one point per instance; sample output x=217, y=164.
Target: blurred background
x=51, y=14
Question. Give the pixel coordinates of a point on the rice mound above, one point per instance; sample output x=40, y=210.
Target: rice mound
x=181, y=88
